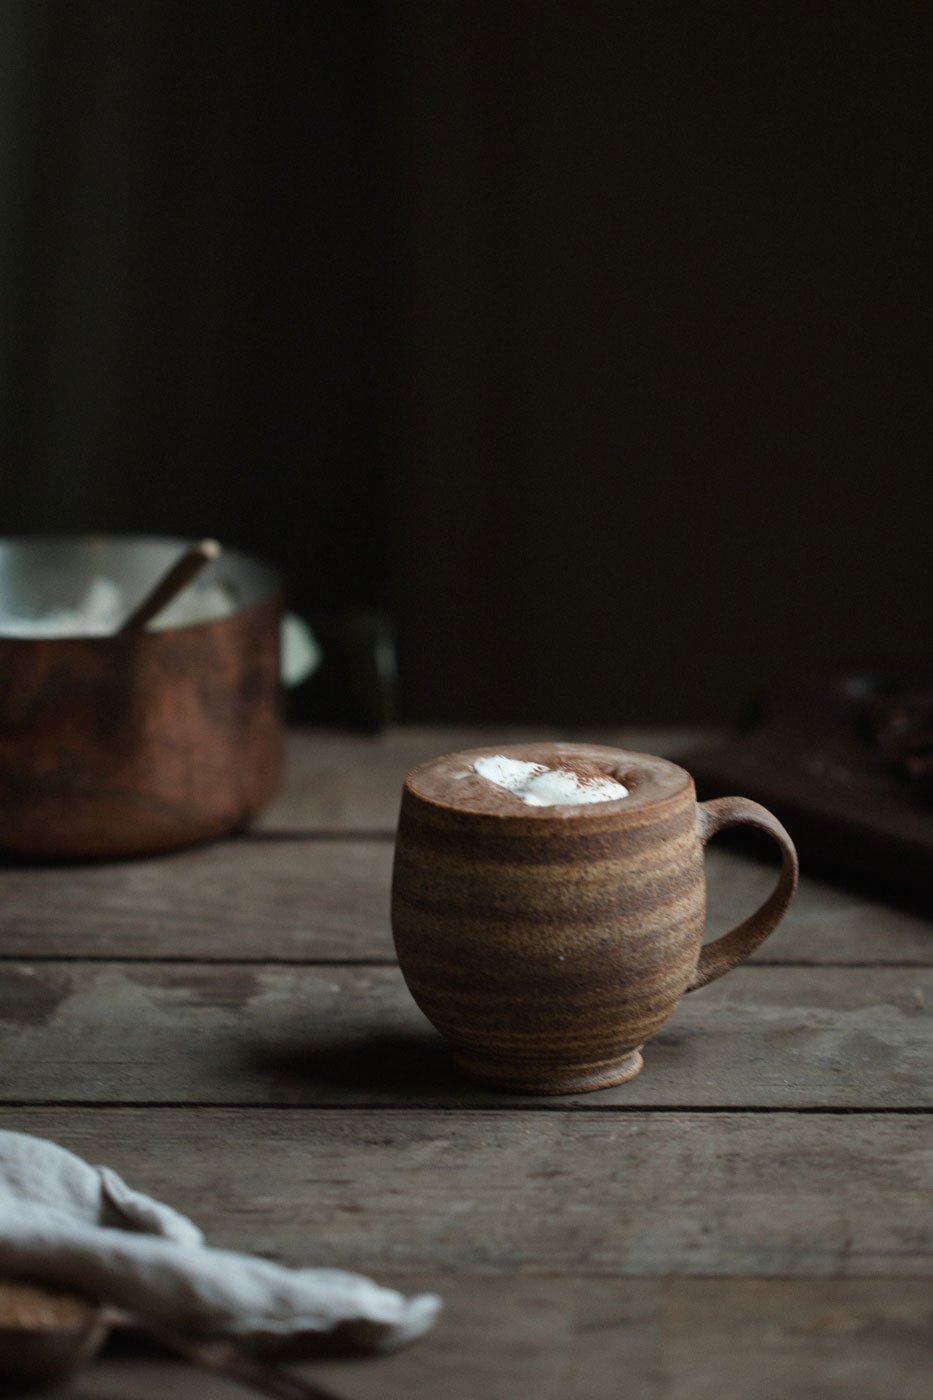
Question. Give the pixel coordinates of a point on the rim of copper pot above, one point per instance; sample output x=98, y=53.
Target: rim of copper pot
x=265, y=583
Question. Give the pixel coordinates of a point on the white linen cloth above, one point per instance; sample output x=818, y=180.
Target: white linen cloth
x=77, y=1227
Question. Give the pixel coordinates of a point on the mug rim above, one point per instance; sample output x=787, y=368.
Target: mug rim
x=653, y=781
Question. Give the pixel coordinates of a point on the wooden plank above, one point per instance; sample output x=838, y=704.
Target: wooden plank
x=796, y=1338
x=504, y=1338
x=497, y=1339
x=253, y=899
x=308, y=899
x=703, y=1194
x=353, y=782
x=241, y=1034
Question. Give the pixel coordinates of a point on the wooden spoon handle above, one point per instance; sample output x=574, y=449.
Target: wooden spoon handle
x=185, y=568
x=224, y=1358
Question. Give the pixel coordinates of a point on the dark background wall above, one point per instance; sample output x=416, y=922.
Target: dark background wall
x=588, y=339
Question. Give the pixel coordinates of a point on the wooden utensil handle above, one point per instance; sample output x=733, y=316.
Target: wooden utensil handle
x=184, y=569
x=222, y=1357
x=734, y=947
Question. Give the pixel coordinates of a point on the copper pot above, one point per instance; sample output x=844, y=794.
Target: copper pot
x=124, y=744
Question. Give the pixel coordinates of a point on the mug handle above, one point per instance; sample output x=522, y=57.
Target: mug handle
x=733, y=947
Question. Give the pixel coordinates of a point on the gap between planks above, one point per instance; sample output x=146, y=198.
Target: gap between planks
x=518, y=1105
x=324, y=834
x=71, y=959
x=211, y=960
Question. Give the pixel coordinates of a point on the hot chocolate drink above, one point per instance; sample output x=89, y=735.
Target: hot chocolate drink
x=548, y=906
x=554, y=776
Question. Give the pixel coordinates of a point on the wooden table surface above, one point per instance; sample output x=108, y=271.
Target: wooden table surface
x=751, y=1217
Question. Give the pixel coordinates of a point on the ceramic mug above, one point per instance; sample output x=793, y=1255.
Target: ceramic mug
x=549, y=943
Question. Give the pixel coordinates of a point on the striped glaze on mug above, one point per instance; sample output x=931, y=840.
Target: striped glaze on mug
x=548, y=944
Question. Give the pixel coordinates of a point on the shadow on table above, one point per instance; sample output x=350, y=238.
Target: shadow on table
x=387, y=1064
x=133, y=1346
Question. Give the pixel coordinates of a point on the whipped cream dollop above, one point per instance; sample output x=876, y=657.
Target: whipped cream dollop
x=540, y=786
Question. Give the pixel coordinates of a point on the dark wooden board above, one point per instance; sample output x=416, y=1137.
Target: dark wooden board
x=853, y=814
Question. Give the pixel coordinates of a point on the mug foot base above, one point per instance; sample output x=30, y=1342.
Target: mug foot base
x=522, y=1077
